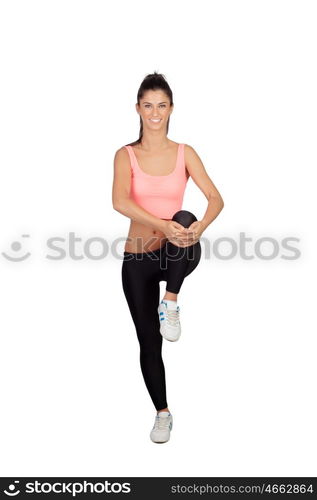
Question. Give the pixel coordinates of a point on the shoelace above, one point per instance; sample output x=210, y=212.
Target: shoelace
x=172, y=317
x=161, y=422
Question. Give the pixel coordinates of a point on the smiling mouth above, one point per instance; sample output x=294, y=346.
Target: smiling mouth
x=155, y=121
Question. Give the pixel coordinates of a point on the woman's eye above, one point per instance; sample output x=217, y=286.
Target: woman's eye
x=161, y=105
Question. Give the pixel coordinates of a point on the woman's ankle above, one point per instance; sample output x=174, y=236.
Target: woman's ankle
x=164, y=409
x=170, y=296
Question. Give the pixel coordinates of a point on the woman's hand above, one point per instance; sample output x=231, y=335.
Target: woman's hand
x=174, y=232
x=181, y=236
x=195, y=230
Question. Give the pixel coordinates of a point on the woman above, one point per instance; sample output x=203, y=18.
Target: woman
x=150, y=177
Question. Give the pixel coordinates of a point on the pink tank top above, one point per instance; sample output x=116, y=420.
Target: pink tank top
x=161, y=195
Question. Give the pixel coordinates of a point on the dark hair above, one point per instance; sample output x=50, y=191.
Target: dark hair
x=154, y=81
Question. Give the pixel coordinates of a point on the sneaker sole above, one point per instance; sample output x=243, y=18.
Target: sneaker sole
x=170, y=340
x=160, y=442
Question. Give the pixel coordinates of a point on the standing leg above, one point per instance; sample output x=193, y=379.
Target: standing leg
x=140, y=280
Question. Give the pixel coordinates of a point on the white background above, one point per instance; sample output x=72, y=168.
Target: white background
x=241, y=381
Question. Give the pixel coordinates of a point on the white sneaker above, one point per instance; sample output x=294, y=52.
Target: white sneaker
x=162, y=427
x=170, y=327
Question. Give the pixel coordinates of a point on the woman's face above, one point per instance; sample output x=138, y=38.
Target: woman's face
x=154, y=109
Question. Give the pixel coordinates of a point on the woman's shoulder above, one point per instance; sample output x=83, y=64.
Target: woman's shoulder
x=123, y=155
x=189, y=150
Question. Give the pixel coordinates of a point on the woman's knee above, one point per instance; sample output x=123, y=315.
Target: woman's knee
x=184, y=217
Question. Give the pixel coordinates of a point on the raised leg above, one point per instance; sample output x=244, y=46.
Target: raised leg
x=179, y=262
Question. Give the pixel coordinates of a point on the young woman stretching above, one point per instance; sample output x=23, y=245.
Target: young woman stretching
x=150, y=177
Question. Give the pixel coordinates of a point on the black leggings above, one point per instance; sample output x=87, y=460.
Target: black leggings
x=141, y=275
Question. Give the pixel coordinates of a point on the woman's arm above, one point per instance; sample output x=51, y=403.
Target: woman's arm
x=121, y=194
x=199, y=175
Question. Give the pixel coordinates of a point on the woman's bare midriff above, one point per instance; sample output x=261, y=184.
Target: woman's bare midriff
x=143, y=238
